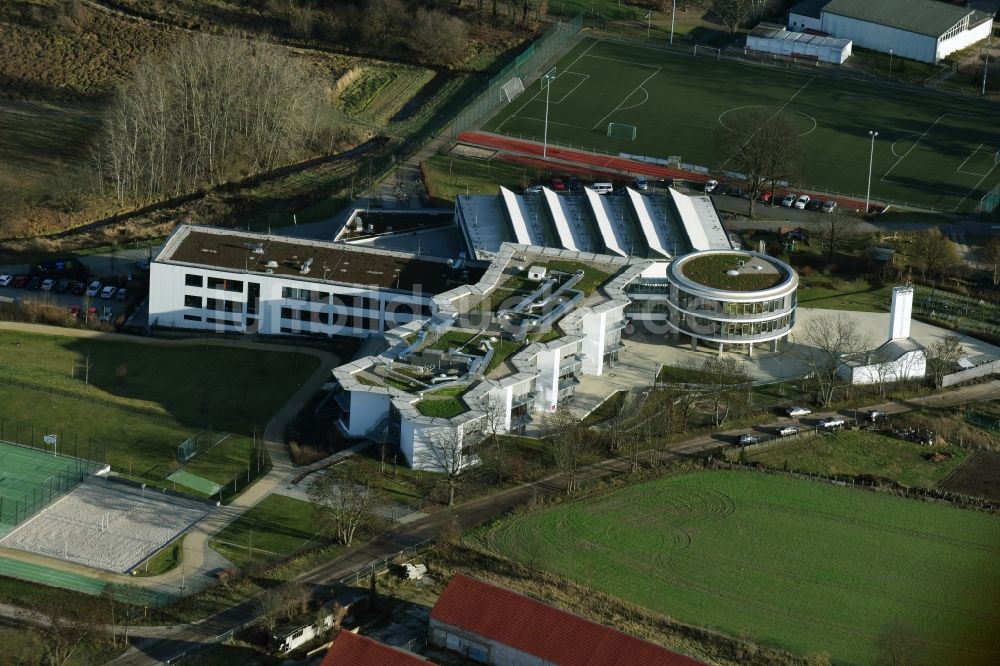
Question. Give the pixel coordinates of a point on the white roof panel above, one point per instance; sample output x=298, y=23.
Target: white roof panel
x=515, y=211
x=701, y=222
x=650, y=229
x=609, y=234
x=554, y=202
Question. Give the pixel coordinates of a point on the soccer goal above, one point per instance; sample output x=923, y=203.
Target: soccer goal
x=621, y=131
x=512, y=89
x=708, y=51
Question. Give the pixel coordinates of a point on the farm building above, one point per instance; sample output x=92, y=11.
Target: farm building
x=490, y=625
x=924, y=30
x=777, y=40
x=350, y=649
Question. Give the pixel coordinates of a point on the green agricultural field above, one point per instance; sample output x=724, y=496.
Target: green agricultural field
x=799, y=565
x=142, y=401
x=932, y=149
x=856, y=452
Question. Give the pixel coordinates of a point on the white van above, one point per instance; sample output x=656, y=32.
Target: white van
x=602, y=188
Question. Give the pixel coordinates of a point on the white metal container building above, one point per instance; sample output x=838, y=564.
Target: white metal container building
x=775, y=39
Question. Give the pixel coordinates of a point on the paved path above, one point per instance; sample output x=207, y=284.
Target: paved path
x=152, y=645
x=200, y=560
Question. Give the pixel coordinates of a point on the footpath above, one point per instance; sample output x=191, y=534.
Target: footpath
x=152, y=645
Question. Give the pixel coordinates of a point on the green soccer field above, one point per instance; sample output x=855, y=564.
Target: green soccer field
x=31, y=479
x=931, y=150
x=794, y=564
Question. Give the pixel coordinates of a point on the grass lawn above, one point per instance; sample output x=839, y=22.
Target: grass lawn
x=592, y=277
x=856, y=452
x=458, y=340
x=794, y=564
x=447, y=177
x=502, y=350
x=681, y=375
x=168, y=558
x=399, y=482
x=932, y=149
x=276, y=526
x=142, y=401
x=444, y=403
x=828, y=293
x=230, y=459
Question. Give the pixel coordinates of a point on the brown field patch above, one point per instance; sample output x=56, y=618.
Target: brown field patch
x=978, y=476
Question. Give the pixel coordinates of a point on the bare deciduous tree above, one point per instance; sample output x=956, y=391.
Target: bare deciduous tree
x=344, y=503
x=733, y=13
x=279, y=604
x=446, y=451
x=763, y=146
x=989, y=254
x=127, y=605
x=726, y=382
x=216, y=108
x=943, y=356
x=384, y=21
x=933, y=252
x=836, y=232
x=827, y=340
x=438, y=38
x=571, y=446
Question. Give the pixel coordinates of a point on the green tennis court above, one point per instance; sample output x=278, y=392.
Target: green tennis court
x=195, y=482
x=37, y=573
x=31, y=479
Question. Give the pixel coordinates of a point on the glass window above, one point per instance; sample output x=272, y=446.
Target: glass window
x=192, y=302
x=225, y=284
x=192, y=280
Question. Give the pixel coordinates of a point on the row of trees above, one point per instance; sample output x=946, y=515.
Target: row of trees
x=215, y=109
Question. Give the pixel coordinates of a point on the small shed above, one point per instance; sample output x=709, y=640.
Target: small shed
x=536, y=273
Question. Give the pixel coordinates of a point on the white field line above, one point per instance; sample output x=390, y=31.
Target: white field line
x=627, y=62
x=551, y=122
x=634, y=90
x=573, y=89
x=774, y=115
x=525, y=105
x=974, y=188
x=915, y=144
x=972, y=173
x=634, y=106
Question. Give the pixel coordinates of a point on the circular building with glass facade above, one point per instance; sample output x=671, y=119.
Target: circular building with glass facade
x=731, y=298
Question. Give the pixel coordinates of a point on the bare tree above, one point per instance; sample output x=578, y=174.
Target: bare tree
x=494, y=423
x=836, y=232
x=733, y=13
x=216, y=108
x=438, y=38
x=282, y=603
x=943, y=357
x=571, y=447
x=827, y=341
x=383, y=22
x=763, y=146
x=726, y=382
x=344, y=503
x=989, y=254
x=127, y=605
x=933, y=252
x=64, y=627
x=444, y=450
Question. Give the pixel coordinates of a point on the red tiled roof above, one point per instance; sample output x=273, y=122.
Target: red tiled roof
x=350, y=649
x=543, y=630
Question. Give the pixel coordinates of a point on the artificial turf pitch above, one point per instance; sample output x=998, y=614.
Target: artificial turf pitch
x=932, y=150
x=31, y=480
x=799, y=565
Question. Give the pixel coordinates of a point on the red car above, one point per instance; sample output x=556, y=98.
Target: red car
x=766, y=196
x=20, y=281
x=558, y=185
x=91, y=312
x=74, y=311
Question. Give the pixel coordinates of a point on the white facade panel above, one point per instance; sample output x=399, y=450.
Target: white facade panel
x=911, y=365
x=881, y=38
x=901, y=312
x=367, y=411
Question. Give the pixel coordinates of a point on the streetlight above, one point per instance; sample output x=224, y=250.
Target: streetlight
x=890, y=64
x=673, y=13
x=547, y=80
x=871, y=160
x=986, y=62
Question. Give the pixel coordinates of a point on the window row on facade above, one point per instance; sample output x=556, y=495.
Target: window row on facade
x=733, y=330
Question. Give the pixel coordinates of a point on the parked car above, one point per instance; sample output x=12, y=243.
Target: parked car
x=802, y=201
x=787, y=431
x=798, y=411
x=641, y=183
x=122, y=294
x=63, y=286
x=35, y=284
x=78, y=289
x=6, y=280
x=94, y=289
x=814, y=204
x=91, y=312
x=831, y=422
x=74, y=311
x=20, y=281
x=766, y=196
x=108, y=291
x=748, y=438
x=142, y=264
x=47, y=284
x=534, y=189
x=829, y=206
x=710, y=186
x=558, y=185
x=788, y=201
x=874, y=415
x=107, y=314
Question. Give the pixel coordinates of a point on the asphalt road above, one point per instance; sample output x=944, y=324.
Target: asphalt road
x=152, y=645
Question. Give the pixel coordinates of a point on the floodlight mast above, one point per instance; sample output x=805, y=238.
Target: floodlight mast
x=673, y=13
x=547, y=80
x=871, y=160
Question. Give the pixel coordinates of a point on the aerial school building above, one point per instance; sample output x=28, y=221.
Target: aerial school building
x=924, y=30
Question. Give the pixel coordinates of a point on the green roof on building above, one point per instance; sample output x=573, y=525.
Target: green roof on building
x=924, y=17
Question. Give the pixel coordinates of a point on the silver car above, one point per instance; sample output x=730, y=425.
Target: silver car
x=796, y=412
x=829, y=206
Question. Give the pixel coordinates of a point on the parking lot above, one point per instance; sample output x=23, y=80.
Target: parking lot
x=71, y=286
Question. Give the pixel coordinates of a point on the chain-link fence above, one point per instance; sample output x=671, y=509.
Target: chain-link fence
x=527, y=66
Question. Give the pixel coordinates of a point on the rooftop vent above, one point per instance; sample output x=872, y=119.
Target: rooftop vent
x=306, y=266
x=732, y=272
x=271, y=264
